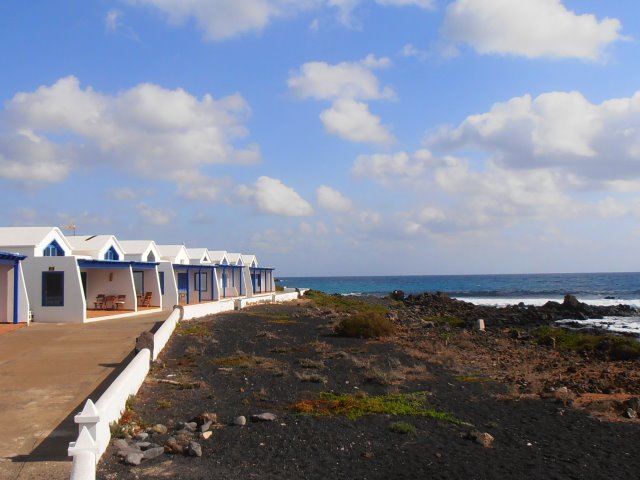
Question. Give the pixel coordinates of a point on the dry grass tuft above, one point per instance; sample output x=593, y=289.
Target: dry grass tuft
x=311, y=377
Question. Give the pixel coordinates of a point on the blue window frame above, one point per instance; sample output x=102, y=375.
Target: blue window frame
x=53, y=250
x=183, y=281
x=161, y=278
x=196, y=282
x=53, y=289
x=111, y=254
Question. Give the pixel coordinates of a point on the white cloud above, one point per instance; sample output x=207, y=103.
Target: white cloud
x=154, y=216
x=402, y=166
x=112, y=20
x=560, y=130
x=427, y=4
x=145, y=128
x=270, y=195
x=332, y=199
x=353, y=121
x=529, y=28
x=352, y=80
x=28, y=158
x=346, y=84
x=222, y=19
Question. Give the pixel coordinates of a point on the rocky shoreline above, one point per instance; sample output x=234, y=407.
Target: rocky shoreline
x=440, y=304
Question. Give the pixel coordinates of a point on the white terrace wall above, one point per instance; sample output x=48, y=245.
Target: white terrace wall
x=204, y=309
x=117, y=281
x=170, y=297
x=74, y=309
x=246, y=278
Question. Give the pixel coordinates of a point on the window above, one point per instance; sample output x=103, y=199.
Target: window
x=111, y=254
x=161, y=278
x=151, y=257
x=196, y=282
x=183, y=282
x=224, y=278
x=52, y=289
x=53, y=250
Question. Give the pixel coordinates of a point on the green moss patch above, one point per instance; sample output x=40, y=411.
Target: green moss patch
x=356, y=405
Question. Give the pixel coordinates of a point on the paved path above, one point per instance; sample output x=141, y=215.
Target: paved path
x=46, y=373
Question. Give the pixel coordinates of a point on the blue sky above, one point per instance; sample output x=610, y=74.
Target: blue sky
x=331, y=137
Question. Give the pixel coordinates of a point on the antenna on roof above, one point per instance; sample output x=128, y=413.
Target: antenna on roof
x=70, y=226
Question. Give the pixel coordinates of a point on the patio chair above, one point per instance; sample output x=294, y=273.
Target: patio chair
x=99, y=304
x=120, y=301
x=146, y=300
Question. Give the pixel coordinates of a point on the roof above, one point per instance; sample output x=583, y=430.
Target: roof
x=11, y=256
x=135, y=246
x=199, y=254
x=25, y=236
x=249, y=259
x=217, y=256
x=234, y=258
x=91, y=243
x=170, y=250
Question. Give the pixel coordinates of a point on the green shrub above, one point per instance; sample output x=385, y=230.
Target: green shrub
x=402, y=427
x=614, y=346
x=341, y=303
x=365, y=325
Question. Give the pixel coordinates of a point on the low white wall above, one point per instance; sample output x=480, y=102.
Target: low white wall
x=112, y=402
x=204, y=309
x=163, y=334
x=285, y=296
x=255, y=300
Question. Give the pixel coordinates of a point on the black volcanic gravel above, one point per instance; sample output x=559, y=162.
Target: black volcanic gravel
x=536, y=439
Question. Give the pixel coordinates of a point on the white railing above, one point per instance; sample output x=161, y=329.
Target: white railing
x=162, y=336
x=94, y=421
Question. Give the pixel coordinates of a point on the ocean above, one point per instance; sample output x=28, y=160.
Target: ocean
x=499, y=290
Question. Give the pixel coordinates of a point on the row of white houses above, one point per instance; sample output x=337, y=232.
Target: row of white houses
x=46, y=276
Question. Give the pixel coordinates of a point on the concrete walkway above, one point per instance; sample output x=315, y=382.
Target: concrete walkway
x=46, y=373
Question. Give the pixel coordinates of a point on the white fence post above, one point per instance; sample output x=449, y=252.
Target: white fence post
x=88, y=418
x=85, y=456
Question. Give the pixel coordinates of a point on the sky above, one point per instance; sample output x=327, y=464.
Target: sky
x=331, y=137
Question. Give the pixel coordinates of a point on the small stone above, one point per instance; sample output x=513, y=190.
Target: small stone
x=142, y=436
x=194, y=449
x=143, y=445
x=205, y=417
x=207, y=435
x=484, y=439
x=120, y=443
x=264, y=417
x=631, y=413
x=133, y=458
x=240, y=421
x=191, y=426
x=153, y=453
x=159, y=428
x=172, y=446
x=205, y=426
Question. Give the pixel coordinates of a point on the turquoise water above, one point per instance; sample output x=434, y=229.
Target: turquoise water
x=595, y=287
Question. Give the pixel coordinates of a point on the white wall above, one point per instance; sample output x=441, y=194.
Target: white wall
x=246, y=278
x=170, y=297
x=204, y=309
x=74, y=309
x=151, y=284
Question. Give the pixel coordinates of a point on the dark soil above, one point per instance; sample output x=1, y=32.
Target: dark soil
x=250, y=362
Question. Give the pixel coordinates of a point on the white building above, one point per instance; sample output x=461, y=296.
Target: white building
x=75, y=279
x=14, y=302
x=155, y=286
x=193, y=272
x=262, y=279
